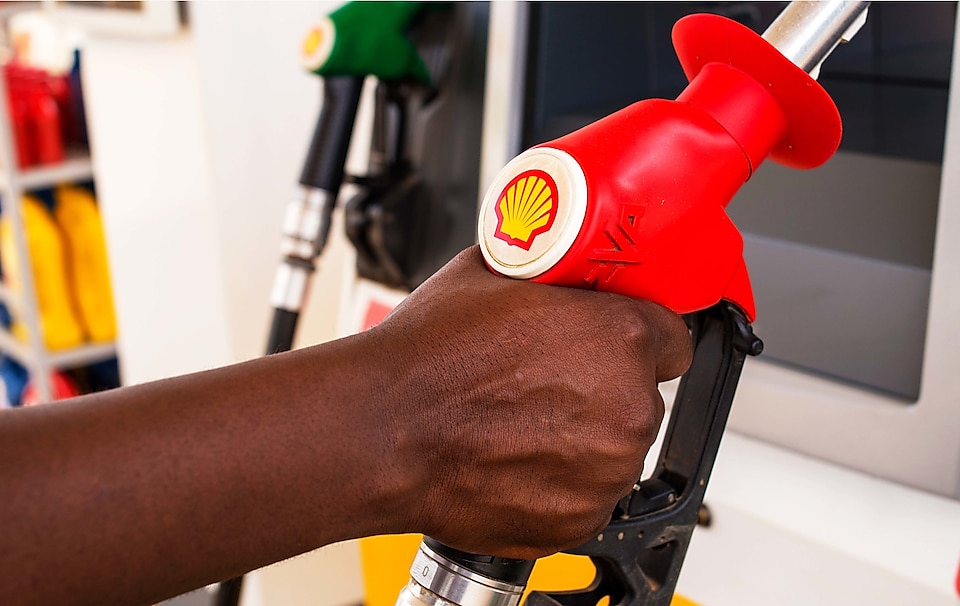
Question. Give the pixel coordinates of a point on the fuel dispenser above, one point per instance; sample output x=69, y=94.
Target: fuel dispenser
x=634, y=204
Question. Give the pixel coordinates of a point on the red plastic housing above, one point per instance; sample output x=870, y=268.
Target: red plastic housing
x=660, y=173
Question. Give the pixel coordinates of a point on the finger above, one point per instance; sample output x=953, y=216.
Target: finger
x=670, y=340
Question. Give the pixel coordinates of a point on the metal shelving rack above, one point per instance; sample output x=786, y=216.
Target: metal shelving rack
x=33, y=354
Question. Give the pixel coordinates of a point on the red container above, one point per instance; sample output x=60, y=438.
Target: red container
x=34, y=99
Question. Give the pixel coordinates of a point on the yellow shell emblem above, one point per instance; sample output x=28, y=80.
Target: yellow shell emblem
x=312, y=41
x=527, y=207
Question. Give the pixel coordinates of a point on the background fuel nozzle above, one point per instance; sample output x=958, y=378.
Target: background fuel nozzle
x=369, y=39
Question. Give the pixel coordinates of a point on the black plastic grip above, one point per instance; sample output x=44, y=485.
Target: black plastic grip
x=282, y=330
x=323, y=168
x=228, y=594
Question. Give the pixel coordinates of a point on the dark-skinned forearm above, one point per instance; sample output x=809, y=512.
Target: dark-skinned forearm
x=136, y=494
x=497, y=416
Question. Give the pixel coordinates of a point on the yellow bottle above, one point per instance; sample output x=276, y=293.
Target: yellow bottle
x=79, y=219
x=58, y=318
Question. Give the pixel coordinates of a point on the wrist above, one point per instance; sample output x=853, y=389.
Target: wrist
x=419, y=394
x=396, y=468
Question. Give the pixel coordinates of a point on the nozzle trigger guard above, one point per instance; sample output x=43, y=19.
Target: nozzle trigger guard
x=638, y=555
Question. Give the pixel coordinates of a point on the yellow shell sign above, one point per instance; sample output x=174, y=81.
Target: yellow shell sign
x=526, y=208
x=312, y=41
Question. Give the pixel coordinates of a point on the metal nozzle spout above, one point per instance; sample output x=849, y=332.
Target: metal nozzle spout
x=807, y=32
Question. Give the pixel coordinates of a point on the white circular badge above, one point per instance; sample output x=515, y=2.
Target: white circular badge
x=532, y=212
x=318, y=45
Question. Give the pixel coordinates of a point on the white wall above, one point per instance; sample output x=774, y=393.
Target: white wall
x=261, y=110
x=198, y=141
x=212, y=125
x=154, y=187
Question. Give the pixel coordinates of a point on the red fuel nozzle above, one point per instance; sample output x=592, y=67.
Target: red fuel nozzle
x=635, y=202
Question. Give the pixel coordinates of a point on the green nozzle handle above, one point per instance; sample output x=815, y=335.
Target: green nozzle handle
x=366, y=38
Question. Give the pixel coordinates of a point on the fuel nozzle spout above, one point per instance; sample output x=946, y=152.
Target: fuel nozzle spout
x=807, y=32
x=443, y=576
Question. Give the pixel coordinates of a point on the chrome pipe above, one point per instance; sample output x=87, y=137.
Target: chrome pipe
x=807, y=32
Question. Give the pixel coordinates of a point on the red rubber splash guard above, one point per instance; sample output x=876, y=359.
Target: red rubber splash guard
x=814, y=126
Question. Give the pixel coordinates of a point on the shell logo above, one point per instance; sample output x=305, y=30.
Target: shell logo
x=526, y=208
x=312, y=42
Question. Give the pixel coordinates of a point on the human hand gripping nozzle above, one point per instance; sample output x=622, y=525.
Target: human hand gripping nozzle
x=635, y=204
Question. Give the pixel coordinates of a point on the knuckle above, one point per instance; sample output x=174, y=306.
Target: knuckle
x=676, y=348
x=636, y=330
x=642, y=415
